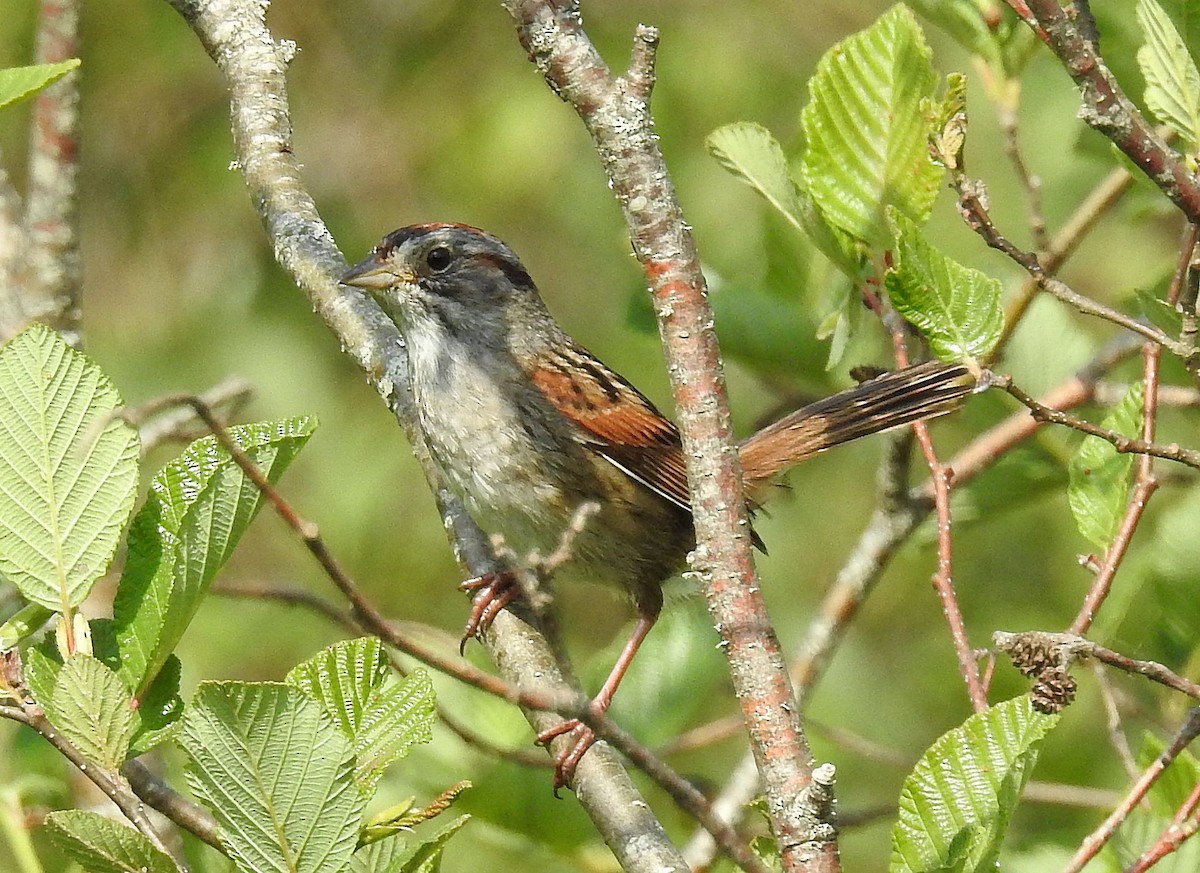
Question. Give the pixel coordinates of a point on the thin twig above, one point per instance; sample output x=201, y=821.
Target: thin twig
x=1097, y=204
x=1184, y=825
x=1122, y=443
x=1095, y=841
x=972, y=205
x=110, y=782
x=167, y=418
x=1030, y=184
x=1112, y=722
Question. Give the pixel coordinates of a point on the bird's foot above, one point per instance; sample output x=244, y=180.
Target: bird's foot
x=582, y=738
x=490, y=593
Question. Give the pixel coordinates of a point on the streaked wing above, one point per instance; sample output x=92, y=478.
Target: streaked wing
x=630, y=433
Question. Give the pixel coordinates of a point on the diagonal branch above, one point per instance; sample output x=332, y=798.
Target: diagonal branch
x=235, y=35
x=1106, y=108
x=615, y=111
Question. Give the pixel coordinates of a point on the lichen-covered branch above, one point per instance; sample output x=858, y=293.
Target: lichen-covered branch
x=253, y=64
x=615, y=110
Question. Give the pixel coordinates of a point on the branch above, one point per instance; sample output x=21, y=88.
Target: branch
x=1120, y=442
x=53, y=269
x=1107, y=109
x=615, y=111
x=235, y=35
x=1094, y=842
x=108, y=781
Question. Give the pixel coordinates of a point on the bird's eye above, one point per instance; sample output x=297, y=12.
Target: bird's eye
x=438, y=259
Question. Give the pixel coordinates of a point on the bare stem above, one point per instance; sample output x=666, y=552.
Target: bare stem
x=110, y=782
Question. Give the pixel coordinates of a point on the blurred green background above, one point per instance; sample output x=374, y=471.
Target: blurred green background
x=427, y=110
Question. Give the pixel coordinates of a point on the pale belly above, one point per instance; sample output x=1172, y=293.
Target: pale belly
x=524, y=473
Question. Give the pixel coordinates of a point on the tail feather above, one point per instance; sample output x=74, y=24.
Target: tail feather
x=891, y=400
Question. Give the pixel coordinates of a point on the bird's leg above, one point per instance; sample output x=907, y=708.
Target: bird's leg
x=490, y=593
x=649, y=602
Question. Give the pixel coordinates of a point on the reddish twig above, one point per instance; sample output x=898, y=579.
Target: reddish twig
x=616, y=113
x=1105, y=106
x=1184, y=825
x=1095, y=841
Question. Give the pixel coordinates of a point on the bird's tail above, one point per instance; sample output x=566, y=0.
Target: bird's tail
x=884, y=402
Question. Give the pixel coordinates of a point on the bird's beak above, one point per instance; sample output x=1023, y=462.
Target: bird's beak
x=370, y=275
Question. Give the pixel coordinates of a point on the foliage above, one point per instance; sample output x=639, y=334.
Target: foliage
x=843, y=139
x=286, y=769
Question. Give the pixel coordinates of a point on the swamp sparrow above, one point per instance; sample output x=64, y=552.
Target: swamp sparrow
x=526, y=425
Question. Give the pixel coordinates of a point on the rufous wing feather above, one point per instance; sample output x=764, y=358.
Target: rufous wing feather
x=629, y=431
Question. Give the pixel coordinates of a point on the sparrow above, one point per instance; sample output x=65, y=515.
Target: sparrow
x=526, y=425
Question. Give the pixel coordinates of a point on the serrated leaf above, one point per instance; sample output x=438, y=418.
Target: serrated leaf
x=42, y=664
x=751, y=153
x=956, y=307
x=955, y=805
x=90, y=707
x=1098, y=488
x=1172, y=81
x=344, y=678
x=383, y=718
x=867, y=131
x=158, y=710
x=68, y=469
x=1164, y=316
x=18, y=83
x=100, y=845
x=398, y=855
x=278, y=775
x=198, y=507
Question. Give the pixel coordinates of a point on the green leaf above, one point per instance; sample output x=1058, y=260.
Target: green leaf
x=90, y=707
x=867, y=130
x=1164, y=316
x=159, y=710
x=751, y=153
x=1172, y=81
x=1098, y=490
x=278, y=775
x=403, y=817
x=383, y=718
x=17, y=83
x=398, y=855
x=68, y=469
x=957, y=308
x=955, y=805
x=100, y=845
x=198, y=507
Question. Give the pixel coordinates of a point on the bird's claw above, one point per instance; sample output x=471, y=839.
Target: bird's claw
x=490, y=592
x=565, y=762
